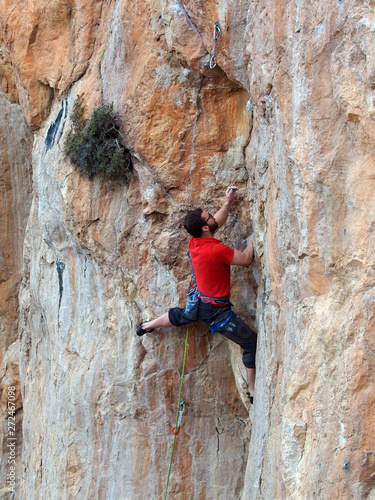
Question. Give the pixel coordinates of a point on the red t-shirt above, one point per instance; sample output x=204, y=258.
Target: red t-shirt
x=211, y=261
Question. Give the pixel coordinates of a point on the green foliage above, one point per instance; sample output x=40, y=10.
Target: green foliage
x=93, y=145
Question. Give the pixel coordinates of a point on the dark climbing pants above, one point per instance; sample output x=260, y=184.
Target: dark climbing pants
x=235, y=329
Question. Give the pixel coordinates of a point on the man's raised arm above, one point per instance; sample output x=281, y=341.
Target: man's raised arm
x=222, y=215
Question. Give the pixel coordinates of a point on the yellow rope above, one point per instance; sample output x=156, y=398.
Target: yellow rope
x=178, y=408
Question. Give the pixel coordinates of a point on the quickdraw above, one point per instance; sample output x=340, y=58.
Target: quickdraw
x=217, y=32
x=181, y=411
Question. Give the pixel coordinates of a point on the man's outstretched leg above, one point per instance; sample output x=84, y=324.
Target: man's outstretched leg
x=174, y=317
x=160, y=322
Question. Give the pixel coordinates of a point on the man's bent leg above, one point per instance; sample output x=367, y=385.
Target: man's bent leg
x=240, y=333
x=251, y=378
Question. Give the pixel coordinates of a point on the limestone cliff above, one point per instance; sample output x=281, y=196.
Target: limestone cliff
x=287, y=115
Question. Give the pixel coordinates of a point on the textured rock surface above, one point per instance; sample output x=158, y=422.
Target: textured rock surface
x=16, y=191
x=288, y=116
x=313, y=155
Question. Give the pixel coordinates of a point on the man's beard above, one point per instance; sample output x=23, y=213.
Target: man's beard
x=213, y=226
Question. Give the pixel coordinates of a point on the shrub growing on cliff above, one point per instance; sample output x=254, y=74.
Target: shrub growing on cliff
x=94, y=144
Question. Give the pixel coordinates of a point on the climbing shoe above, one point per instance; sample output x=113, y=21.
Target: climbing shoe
x=250, y=397
x=140, y=331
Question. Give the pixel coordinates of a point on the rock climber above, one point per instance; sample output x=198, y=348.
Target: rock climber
x=208, y=299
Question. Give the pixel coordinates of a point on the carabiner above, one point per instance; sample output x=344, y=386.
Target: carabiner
x=217, y=30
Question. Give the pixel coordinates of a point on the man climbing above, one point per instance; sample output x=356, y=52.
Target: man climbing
x=208, y=300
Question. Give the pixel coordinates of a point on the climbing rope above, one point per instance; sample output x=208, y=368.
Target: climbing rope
x=180, y=411
x=217, y=32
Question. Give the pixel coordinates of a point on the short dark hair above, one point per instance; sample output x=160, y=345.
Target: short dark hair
x=193, y=222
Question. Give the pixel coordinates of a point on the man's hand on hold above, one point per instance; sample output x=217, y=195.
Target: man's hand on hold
x=231, y=194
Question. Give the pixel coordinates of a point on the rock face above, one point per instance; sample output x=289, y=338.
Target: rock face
x=16, y=192
x=288, y=117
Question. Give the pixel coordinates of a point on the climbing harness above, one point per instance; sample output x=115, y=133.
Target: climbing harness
x=180, y=410
x=223, y=301
x=176, y=429
x=217, y=32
